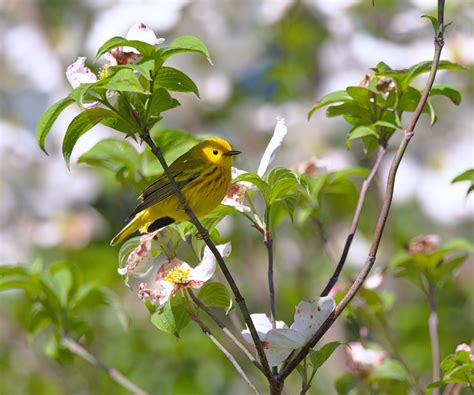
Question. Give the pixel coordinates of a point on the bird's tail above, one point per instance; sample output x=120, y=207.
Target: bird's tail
x=135, y=224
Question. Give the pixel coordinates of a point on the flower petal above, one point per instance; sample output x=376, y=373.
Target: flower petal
x=78, y=73
x=272, y=147
x=262, y=325
x=139, y=261
x=286, y=338
x=309, y=316
x=158, y=295
x=276, y=354
x=140, y=32
x=205, y=270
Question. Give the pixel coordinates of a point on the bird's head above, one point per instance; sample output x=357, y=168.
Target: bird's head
x=218, y=151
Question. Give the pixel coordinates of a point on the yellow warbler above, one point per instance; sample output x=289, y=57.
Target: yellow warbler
x=203, y=175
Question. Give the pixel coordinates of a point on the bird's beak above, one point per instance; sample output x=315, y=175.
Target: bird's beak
x=232, y=153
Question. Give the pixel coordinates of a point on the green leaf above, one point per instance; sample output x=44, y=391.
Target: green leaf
x=181, y=316
x=424, y=67
x=447, y=90
x=160, y=101
x=346, y=383
x=144, y=48
x=468, y=175
x=409, y=99
x=215, y=294
x=186, y=44
x=112, y=154
x=144, y=67
x=385, y=124
x=434, y=22
x=123, y=80
x=38, y=318
x=175, y=80
x=281, y=181
x=254, y=179
x=352, y=112
x=81, y=124
x=361, y=95
x=79, y=93
x=330, y=98
x=389, y=370
x=48, y=118
x=362, y=131
x=319, y=357
x=164, y=320
x=63, y=280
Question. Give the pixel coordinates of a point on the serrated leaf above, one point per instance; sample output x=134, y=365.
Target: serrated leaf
x=319, y=357
x=330, y=98
x=48, y=118
x=215, y=294
x=186, y=44
x=112, y=154
x=81, y=124
x=115, y=42
x=447, y=90
x=164, y=320
x=175, y=80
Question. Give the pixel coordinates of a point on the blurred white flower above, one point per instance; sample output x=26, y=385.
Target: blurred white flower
x=463, y=347
x=270, y=11
x=362, y=360
x=373, y=281
x=279, y=342
x=216, y=89
x=176, y=275
x=140, y=32
x=424, y=244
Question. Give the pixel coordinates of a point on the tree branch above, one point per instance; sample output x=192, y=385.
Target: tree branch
x=355, y=221
x=228, y=355
x=205, y=236
x=114, y=374
x=226, y=331
x=383, y=215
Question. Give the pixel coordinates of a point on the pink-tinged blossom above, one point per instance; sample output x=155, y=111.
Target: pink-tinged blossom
x=278, y=343
x=362, y=360
x=141, y=258
x=78, y=73
x=424, y=244
x=176, y=275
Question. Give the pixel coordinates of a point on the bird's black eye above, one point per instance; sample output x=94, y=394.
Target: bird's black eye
x=215, y=152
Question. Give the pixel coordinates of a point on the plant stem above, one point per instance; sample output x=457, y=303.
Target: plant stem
x=355, y=221
x=228, y=355
x=205, y=236
x=269, y=244
x=226, y=331
x=77, y=349
x=433, y=327
x=383, y=215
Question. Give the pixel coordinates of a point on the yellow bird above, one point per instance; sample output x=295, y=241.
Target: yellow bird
x=203, y=175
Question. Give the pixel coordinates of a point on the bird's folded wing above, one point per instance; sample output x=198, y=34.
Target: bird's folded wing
x=183, y=172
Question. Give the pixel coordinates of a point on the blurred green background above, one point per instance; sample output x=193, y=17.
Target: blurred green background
x=271, y=58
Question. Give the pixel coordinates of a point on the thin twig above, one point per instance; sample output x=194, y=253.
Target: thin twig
x=226, y=331
x=383, y=215
x=228, y=355
x=205, y=236
x=114, y=374
x=433, y=327
x=355, y=221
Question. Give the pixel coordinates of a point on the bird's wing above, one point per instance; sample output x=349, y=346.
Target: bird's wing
x=184, y=171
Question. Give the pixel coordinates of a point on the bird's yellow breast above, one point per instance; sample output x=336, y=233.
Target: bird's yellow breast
x=203, y=195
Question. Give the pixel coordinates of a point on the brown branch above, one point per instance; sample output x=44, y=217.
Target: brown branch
x=205, y=236
x=228, y=355
x=383, y=215
x=355, y=221
x=77, y=349
x=226, y=331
